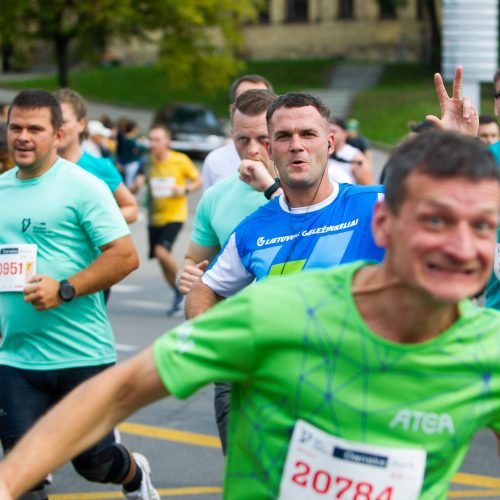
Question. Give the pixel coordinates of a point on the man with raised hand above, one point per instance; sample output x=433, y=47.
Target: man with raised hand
x=63, y=240
x=224, y=205
x=315, y=223
x=222, y=162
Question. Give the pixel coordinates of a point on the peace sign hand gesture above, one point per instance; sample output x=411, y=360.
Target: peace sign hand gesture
x=457, y=113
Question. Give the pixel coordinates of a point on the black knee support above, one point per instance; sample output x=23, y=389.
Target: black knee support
x=109, y=466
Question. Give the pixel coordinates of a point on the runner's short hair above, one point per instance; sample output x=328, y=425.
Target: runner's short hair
x=297, y=100
x=486, y=119
x=439, y=154
x=254, y=102
x=74, y=99
x=35, y=99
x=247, y=78
x=163, y=126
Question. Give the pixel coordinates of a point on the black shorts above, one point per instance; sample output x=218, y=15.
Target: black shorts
x=163, y=235
x=25, y=395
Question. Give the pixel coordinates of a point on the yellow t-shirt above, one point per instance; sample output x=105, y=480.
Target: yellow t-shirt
x=162, y=175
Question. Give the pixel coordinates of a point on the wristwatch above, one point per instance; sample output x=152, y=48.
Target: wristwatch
x=272, y=188
x=66, y=291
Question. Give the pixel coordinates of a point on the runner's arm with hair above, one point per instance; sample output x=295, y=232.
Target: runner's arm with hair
x=82, y=418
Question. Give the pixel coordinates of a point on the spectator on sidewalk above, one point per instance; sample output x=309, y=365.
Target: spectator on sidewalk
x=357, y=140
x=129, y=150
x=347, y=164
x=488, y=131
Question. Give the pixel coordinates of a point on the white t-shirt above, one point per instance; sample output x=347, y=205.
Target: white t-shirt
x=219, y=164
x=341, y=171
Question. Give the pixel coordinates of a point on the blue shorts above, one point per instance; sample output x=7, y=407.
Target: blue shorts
x=25, y=395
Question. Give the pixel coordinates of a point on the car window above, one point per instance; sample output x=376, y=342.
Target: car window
x=199, y=116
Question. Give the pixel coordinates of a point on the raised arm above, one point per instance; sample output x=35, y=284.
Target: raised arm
x=457, y=113
x=82, y=418
x=361, y=169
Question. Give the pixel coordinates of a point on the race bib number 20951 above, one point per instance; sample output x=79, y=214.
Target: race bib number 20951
x=17, y=266
x=319, y=465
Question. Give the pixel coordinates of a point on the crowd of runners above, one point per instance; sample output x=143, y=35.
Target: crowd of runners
x=363, y=287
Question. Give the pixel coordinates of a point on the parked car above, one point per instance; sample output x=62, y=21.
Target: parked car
x=196, y=130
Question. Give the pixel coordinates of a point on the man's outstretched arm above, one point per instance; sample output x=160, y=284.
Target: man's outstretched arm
x=82, y=418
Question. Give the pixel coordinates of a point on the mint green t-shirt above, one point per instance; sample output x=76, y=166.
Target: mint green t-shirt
x=222, y=207
x=68, y=213
x=296, y=347
x=493, y=285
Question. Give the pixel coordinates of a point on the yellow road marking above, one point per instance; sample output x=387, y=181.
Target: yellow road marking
x=214, y=442
x=473, y=493
x=170, y=435
x=474, y=480
x=165, y=492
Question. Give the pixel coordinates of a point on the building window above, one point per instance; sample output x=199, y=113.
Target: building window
x=346, y=9
x=387, y=9
x=297, y=10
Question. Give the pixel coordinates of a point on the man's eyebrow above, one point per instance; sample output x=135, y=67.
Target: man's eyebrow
x=436, y=203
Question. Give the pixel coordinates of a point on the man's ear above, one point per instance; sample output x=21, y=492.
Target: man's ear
x=381, y=224
x=82, y=122
x=269, y=149
x=59, y=134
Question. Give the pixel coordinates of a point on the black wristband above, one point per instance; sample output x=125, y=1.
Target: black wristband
x=272, y=188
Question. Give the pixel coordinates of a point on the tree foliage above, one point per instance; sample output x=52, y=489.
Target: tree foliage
x=199, y=39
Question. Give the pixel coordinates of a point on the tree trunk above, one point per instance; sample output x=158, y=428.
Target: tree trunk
x=435, y=35
x=61, y=45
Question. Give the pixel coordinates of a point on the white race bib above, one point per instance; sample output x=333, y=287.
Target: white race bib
x=319, y=465
x=17, y=266
x=161, y=187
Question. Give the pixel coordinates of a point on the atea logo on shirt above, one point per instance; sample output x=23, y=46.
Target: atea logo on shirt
x=429, y=423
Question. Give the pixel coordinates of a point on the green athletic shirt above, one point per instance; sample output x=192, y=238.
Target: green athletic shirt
x=296, y=347
x=222, y=207
x=69, y=214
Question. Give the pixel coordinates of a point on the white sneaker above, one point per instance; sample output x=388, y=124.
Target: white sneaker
x=146, y=490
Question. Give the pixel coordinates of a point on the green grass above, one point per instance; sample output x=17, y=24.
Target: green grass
x=147, y=86
x=406, y=93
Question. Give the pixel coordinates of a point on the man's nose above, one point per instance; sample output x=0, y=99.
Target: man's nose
x=296, y=143
x=461, y=242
